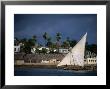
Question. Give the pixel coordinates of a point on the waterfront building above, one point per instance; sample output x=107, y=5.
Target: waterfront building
x=53, y=61
x=62, y=50
x=44, y=61
x=41, y=48
x=17, y=48
x=19, y=62
x=90, y=61
x=33, y=50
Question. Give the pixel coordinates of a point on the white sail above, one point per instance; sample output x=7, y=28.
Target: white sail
x=76, y=56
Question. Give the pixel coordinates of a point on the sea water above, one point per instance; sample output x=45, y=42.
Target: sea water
x=52, y=72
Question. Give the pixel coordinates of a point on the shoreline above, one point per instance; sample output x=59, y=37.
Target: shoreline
x=53, y=66
x=36, y=66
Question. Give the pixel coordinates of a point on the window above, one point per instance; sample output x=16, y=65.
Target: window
x=14, y=49
x=18, y=49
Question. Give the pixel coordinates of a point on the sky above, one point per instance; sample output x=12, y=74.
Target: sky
x=73, y=26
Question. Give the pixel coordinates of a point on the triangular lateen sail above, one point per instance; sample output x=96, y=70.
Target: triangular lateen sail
x=76, y=56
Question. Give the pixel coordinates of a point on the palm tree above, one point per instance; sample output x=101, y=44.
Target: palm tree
x=34, y=37
x=65, y=44
x=68, y=41
x=58, y=37
x=49, y=42
x=45, y=36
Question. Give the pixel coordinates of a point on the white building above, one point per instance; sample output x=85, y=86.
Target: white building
x=62, y=50
x=19, y=62
x=44, y=61
x=44, y=48
x=17, y=48
x=90, y=61
x=52, y=61
x=33, y=50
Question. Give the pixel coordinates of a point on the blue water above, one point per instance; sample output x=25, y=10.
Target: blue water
x=51, y=72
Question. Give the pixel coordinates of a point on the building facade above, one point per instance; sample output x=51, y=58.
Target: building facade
x=61, y=50
x=17, y=48
x=90, y=61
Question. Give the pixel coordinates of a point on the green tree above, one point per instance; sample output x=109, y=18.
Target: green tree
x=68, y=42
x=58, y=38
x=49, y=42
x=68, y=39
x=65, y=44
x=34, y=37
x=27, y=47
x=73, y=43
x=28, y=44
x=44, y=50
x=38, y=51
x=92, y=48
x=45, y=36
x=32, y=41
x=23, y=47
x=16, y=41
